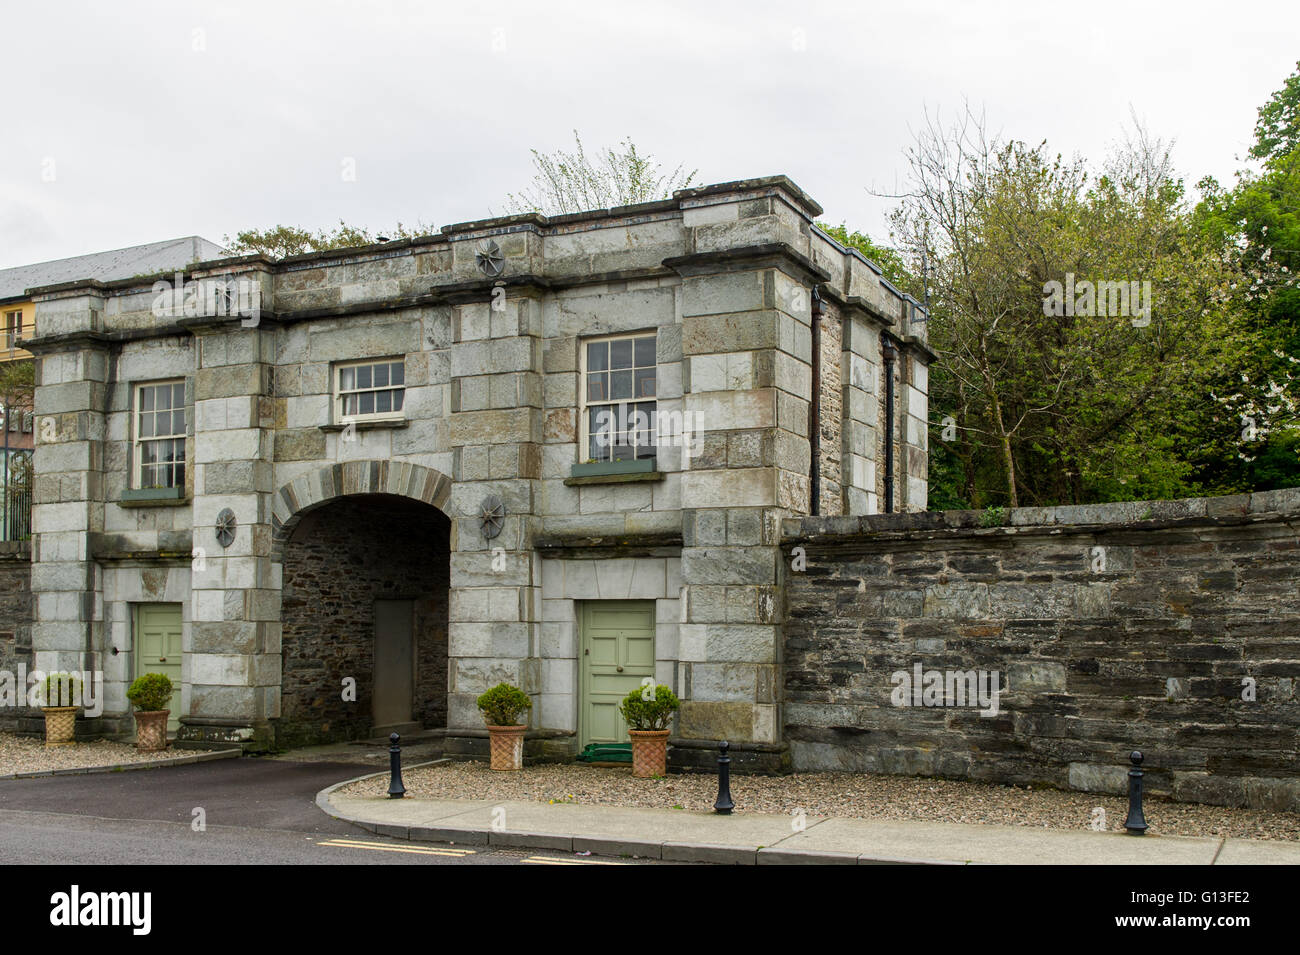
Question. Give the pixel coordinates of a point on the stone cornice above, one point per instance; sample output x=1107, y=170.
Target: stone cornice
x=777, y=255
x=856, y=303
x=523, y=222
x=914, y=343
x=53, y=344
x=642, y=544
x=480, y=290
x=72, y=289
x=802, y=201
x=208, y=323
x=169, y=546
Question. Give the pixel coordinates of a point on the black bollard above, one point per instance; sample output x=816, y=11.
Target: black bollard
x=395, y=788
x=724, y=805
x=1135, y=823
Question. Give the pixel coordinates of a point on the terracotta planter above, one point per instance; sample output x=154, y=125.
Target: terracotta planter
x=151, y=730
x=60, y=725
x=506, y=744
x=649, y=752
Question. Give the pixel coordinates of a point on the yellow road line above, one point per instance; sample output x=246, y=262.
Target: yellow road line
x=386, y=847
x=412, y=849
x=362, y=842
x=548, y=860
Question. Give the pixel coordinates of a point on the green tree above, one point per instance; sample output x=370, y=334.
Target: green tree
x=1277, y=131
x=17, y=385
x=1055, y=404
x=1256, y=225
x=565, y=182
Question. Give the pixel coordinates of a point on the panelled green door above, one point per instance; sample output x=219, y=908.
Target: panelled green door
x=158, y=648
x=618, y=652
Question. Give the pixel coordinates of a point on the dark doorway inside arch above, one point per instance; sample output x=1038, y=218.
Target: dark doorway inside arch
x=358, y=572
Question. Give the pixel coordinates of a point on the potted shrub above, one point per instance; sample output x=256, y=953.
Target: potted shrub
x=150, y=694
x=501, y=707
x=647, y=714
x=60, y=700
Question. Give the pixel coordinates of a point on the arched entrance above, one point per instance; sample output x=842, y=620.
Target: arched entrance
x=363, y=604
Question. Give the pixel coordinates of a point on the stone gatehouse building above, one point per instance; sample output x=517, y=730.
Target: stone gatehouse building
x=418, y=468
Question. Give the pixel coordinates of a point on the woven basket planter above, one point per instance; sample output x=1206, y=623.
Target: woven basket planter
x=506, y=745
x=649, y=752
x=60, y=725
x=151, y=730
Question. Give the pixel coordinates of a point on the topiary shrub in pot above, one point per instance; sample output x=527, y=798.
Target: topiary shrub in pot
x=60, y=700
x=501, y=707
x=150, y=694
x=647, y=713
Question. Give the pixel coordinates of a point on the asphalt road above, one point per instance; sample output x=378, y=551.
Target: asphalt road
x=254, y=811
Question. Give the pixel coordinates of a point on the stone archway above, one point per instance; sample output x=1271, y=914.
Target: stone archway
x=366, y=543
x=308, y=491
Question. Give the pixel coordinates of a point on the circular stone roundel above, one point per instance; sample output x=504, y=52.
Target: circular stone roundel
x=489, y=258
x=492, y=516
x=226, y=527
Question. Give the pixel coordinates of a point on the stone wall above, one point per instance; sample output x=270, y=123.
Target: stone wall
x=15, y=619
x=1111, y=628
x=341, y=558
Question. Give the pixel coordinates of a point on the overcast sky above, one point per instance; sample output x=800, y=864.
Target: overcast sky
x=130, y=122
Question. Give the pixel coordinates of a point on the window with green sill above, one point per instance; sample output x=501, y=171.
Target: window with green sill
x=159, y=435
x=619, y=385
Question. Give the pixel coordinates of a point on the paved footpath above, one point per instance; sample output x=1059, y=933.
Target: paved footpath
x=758, y=839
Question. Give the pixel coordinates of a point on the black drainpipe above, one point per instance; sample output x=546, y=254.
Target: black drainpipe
x=889, y=353
x=815, y=411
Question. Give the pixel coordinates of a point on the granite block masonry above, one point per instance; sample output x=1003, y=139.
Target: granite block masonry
x=389, y=489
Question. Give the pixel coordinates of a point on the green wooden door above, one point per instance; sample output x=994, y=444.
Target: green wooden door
x=158, y=648
x=618, y=652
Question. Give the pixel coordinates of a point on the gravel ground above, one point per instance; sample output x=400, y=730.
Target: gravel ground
x=29, y=754
x=834, y=794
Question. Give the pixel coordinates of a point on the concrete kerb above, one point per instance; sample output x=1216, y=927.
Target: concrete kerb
x=323, y=797
x=804, y=857
x=470, y=837
x=765, y=839
x=672, y=851
x=229, y=753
